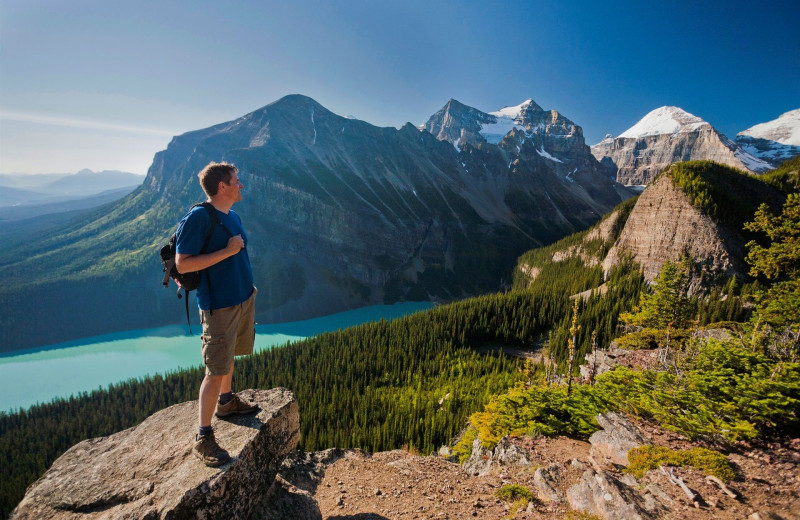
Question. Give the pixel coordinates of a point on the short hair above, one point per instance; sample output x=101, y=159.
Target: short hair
x=213, y=174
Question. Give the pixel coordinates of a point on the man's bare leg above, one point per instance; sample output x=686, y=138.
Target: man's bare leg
x=210, y=389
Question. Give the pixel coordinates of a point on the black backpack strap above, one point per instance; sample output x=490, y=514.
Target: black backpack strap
x=167, y=269
x=186, y=303
x=212, y=213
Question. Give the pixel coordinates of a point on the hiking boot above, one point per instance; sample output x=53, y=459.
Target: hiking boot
x=207, y=450
x=235, y=406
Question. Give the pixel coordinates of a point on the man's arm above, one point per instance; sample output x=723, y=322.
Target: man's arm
x=189, y=263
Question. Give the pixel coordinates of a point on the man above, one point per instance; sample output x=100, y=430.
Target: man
x=226, y=297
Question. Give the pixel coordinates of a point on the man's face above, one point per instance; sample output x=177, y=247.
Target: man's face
x=233, y=188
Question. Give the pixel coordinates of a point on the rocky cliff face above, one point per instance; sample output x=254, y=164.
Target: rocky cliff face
x=149, y=472
x=774, y=141
x=664, y=224
x=665, y=136
x=339, y=213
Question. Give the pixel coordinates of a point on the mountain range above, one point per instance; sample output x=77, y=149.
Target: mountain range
x=668, y=135
x=20, y=189
x=340, y=214
x=59, y=195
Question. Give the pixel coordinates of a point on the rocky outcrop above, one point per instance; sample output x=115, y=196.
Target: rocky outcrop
x=602, y=361
x=664, y=136
x=546, y=481
x=664, y=224
x=605, y=231
x=600, y=493
x=506, y=453
x=617, y=437
x=479, y=461
x=149, y=471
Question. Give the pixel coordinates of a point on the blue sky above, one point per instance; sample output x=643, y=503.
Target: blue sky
x=105, y=84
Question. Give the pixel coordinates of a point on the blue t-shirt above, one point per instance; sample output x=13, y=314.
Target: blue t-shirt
x=231, y=280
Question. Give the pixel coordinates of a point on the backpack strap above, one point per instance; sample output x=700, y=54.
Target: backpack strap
x=212, y=213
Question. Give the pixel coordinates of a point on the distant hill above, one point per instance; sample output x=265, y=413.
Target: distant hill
x=69, y=185
x=48, y=206
x=340, y=214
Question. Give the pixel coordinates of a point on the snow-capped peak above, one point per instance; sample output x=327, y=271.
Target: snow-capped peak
x=507, y=118
x=664, y=120
x=512, y=112
x=784, y=130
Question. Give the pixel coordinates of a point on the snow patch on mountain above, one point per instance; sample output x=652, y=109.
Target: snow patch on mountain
x=512, y=112
x=546, y=155
x=754, y=164
x=506, y=119
x=784, y=130
x=664, y=120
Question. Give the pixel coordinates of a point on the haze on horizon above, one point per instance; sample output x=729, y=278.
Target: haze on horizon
x=93, y=85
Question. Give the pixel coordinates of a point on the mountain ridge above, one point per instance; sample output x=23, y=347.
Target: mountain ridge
x=668, y=135
x=341, y=214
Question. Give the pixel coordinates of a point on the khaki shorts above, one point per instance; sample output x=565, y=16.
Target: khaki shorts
x=228, y=332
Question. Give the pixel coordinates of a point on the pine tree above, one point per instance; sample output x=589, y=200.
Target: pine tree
x=668, y=304
x=779, y=310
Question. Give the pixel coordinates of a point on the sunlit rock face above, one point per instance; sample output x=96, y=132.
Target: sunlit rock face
x=665, y=136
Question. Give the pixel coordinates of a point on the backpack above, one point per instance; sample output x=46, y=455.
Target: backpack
x=186, y=281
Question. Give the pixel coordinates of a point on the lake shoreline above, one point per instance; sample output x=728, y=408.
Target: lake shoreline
x=43, y=374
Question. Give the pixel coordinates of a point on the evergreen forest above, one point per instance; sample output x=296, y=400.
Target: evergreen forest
x=441, y=377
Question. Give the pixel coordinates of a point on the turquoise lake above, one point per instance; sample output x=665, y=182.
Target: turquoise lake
x=82, y=366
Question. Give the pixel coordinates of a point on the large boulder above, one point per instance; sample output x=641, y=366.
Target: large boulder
x=149, y=471
x=506, y=453
x=602, y=495
x=616, y=439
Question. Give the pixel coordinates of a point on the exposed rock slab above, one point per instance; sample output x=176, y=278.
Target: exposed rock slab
x=546, y=480
x=599, y=493
x=664, y=224
x=616, y=439
x=506, y=453
x=149, y=471
x=479, y=461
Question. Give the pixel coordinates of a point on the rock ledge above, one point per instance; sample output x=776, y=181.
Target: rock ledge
x=149, y=471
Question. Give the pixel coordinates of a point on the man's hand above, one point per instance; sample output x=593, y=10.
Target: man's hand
x=189, y=263
x=235, y=244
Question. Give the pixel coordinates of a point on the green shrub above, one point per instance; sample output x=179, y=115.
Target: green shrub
x=711, y=462
x=537, y=410
x=463, y=447
x=514, y=492
x=644, y=339
x=723, y=393
x=727, y=393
